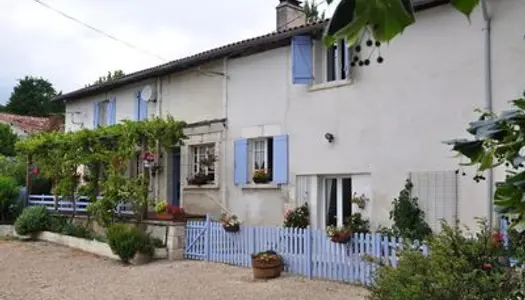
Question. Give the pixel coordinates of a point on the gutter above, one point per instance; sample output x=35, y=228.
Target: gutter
x=488, y=100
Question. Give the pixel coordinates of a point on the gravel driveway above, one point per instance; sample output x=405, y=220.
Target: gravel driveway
x=37, y=270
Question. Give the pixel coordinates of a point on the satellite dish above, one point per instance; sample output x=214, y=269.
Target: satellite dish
x=147, y=93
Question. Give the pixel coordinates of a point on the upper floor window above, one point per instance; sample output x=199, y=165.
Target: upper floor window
x=202, y=166
x=314, y=63
x=337, y=62
x=104, y=113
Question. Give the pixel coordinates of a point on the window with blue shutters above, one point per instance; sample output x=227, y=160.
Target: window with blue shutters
x=102, y=113
x=267, y=155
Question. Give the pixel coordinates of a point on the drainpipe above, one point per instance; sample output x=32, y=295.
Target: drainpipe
x=158, y=113
x=488, y=100
x=224, y=146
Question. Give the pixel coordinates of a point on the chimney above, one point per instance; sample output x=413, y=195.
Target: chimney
x=290, y=14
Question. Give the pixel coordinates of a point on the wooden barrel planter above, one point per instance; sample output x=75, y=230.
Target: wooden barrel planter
x=266, y=265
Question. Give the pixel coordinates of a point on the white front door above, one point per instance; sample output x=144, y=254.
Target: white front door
x=337, y=205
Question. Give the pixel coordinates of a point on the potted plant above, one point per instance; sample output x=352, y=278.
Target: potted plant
x=266, y=264
x=261, y=176
x=230, y=223
x=168, y=212
x=341, y=235
x=360, y=200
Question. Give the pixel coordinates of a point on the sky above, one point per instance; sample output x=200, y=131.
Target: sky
x=39, y=42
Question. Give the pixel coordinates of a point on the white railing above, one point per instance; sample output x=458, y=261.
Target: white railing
x=81, y=204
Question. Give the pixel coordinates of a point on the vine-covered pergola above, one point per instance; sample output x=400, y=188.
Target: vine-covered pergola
x=104, y=154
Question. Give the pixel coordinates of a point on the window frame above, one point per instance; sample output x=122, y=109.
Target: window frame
x=268, y=165
x=195, y=157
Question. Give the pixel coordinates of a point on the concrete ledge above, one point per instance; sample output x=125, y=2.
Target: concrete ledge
x=91, y=246
x=7, y=230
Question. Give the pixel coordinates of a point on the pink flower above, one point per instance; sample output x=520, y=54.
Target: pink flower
x=287, y=213
x=487, y=266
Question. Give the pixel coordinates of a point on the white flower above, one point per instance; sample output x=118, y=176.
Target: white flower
x=516, y=127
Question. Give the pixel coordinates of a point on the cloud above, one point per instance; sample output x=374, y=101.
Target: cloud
x=37, y=41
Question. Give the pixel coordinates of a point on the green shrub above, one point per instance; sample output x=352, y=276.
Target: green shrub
x=357, y=224
x=56, y=223
x=458, y=267
x=32, y=220
x=126, y=241
x=298, y=217
x=157, y=243
x=9, y=202
x=409, y=219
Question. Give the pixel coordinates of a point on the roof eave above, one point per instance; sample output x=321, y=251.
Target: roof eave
x=191, y=61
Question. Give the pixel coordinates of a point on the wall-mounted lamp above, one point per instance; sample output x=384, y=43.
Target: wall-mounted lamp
x=329, y=137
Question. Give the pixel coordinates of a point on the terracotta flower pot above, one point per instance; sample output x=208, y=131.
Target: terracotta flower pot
x=266, y=270
x=341, y=237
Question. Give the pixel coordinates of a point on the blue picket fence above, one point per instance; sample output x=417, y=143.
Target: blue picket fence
x=66, y=206
x=308, y=252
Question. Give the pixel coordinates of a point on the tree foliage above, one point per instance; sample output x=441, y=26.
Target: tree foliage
x=34, y=97
x=105, y=152
x=109, y=77
x=312, y=12
x=383, y=19
x=499, y=141
x=7, y=140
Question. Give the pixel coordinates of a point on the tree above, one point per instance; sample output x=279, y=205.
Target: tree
x=34, y=97
x=110, y=77
x=383, y=19
x=7, y=140
x=311, y=12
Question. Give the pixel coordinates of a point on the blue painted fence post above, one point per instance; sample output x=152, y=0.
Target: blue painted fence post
x=308, y=250
x=207, y=237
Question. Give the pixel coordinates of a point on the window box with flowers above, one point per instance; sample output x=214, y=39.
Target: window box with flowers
x=340, y=235
x=202, y=167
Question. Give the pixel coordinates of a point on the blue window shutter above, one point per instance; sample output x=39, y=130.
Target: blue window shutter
x=302, y=60
x=280, y=159
x=240, y=161
x=137, y=106
x=143, y=109
x=112, y=111
x=95, y=115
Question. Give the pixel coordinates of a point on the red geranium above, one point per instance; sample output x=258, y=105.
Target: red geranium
x=487, y=266
x=174, y=210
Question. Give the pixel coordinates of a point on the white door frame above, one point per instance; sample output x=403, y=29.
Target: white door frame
x=339, y=182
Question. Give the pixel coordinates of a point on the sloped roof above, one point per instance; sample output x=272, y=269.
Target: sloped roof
x=32, y=124
x=244, y=47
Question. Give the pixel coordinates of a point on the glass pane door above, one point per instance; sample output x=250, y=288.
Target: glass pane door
x=337, y=200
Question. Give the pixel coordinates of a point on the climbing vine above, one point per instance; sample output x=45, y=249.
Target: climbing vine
x=104, y=154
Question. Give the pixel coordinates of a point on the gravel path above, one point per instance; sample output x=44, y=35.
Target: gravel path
x=37, y=271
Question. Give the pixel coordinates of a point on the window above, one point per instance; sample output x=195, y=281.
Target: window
x=103, y=113
x=261, y=156
x=337, y=62
x=202, y=166
x=261, y=160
